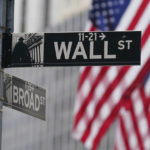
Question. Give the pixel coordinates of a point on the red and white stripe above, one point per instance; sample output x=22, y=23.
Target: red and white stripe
x=99, y=99
x=133, y=131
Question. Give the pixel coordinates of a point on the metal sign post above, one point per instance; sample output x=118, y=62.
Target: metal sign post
x=6, y=25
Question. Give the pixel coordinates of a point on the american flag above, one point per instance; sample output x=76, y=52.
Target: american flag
x=133, y=130
x=103, y=91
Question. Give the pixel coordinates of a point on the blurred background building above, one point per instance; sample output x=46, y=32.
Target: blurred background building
x=23, y=132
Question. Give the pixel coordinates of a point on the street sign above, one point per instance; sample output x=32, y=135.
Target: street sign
x=71, y=49
x=24, y=96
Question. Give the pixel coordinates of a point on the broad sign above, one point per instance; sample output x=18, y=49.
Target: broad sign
x=71, y=49
x=24, y=96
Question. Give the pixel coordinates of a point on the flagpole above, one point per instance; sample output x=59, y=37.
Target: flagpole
x=6, y=25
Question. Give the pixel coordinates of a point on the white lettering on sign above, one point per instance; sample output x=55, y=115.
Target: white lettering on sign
x=27, y=99
x=79, y=51
x=106, y=55
x=124, y=44
x=91, y=36
x=92, y=56
x=65, y=49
